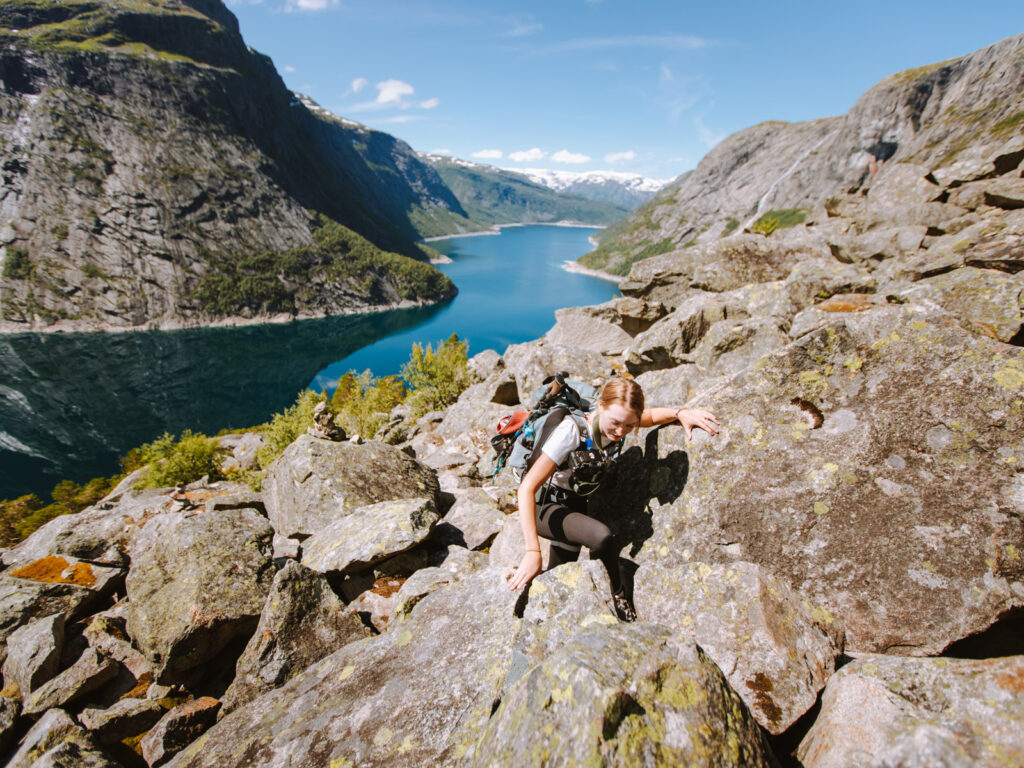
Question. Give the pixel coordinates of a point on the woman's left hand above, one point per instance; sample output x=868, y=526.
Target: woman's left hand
x=696, y=417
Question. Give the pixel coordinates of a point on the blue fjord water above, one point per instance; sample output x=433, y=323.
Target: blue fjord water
x=71, y=404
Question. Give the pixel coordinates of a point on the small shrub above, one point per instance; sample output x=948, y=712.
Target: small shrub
x=365, y=407
x=182, y=461
x=17, y=265
x=285, y=427
x=765, y=225
x=26, y=514
x=436, y=378
x=780, y=219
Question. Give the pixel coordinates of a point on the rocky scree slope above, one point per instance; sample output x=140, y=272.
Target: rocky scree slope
x=157, y=172
x=835, y=579
x=959, y=121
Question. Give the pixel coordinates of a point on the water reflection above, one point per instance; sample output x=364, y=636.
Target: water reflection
x=71, y=404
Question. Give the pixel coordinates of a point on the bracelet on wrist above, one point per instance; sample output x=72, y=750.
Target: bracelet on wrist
x=678, y=411
x=534, y=550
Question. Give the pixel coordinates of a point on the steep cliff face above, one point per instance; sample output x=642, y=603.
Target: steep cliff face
x=951, y=119
x=157, y=172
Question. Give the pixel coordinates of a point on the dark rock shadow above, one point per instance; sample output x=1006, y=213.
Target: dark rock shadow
x=640, y=476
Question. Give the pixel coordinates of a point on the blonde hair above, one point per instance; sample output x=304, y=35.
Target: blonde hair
x=624, y=392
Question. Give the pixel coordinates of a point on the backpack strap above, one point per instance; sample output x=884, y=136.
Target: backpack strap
x=555, y=417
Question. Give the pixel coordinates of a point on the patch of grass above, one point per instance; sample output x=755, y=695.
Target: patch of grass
x=91, y=271
x=732, y=225
x=17, y=265
x=779, y=219
x=1009, y=125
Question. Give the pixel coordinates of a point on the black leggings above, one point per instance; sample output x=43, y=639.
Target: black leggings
x=566, y=522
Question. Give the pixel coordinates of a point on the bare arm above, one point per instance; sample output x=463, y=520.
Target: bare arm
x=688, y=417
x=539, y=474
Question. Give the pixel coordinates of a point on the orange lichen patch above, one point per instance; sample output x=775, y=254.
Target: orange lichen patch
x=386, y=586
x=141, y=686
x=11, y=691
x=199, y=497
x=1011, y=681
x=847, y=302
x=57, y=570
x=134, y=743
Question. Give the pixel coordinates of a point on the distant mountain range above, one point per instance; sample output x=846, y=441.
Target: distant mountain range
x=629, y=189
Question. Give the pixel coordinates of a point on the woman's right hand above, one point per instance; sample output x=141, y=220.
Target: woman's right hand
x=529, y=567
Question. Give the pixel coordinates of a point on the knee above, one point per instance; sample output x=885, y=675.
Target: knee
x=603, y=542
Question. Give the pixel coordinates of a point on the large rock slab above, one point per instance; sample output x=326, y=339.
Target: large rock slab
x=99, y=534
x=177, y=729
x=730, y=345
x=776, y=650
x=918, y=713
x=56, y=740
x=473, y=521
x=90, y=672
x=302, y=622
x=841, y=468
x=623, y=695
x=534, y=361
x=988, y=301
x=420, y=694
x=197, y=582
x=370, y=535
x=21, y=601
x=314, y=482
x=122, y=720
x=669, y=342
x=593, y=328
x=33, y=653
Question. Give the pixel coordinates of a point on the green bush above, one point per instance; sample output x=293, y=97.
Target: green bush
x=362, y=403
x=22, y=516
x=436, y=378
x=285, y=427
x=17, y=265
x=183, y=461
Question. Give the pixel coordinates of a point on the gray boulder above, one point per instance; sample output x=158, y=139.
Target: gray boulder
x=21, y=601
x=729, y=346
x=776, y=650
x=302, y=622
x=623, y=695
x=593, y=328
x=415, y=588
x=33, y=653
x=420, y=694
x=315, y=482
x=915, y=713
x=369, y=535
x=99, y=534
x=473, y=521
x=840, y=467
x=197, y=582
x=90, y=672
x=10, y=708
x=177, y=729
x=987, y=300
x=534, y=361
x=670, y=341
x=122, y=720
x=508, y=547
x=56, y=740
x=107, y=633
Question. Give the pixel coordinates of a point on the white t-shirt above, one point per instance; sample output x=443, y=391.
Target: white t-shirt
x=564, y=440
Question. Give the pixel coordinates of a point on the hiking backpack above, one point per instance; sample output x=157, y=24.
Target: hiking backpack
x=521, y=434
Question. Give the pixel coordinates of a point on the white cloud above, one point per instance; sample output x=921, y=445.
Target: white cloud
x=619, y=157
x=429, y=103
x=288, y=68
x=309, y=5
x=393, y=92
x=565, y=156
x=401, y=119
x=358, y=84
x=524, y=29
x=488, y=154
x=527, y=155
x=440, y=152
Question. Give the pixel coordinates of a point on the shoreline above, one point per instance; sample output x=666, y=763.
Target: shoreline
x=579, y=269
x=7, y=328
x=496, y=229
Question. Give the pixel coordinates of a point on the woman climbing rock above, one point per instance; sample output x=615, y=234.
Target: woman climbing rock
x=565, y=467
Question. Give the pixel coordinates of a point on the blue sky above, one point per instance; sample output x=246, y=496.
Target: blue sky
x=639, y=86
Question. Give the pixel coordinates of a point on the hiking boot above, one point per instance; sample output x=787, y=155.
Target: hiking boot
x=624, y=607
